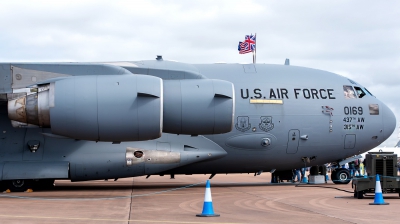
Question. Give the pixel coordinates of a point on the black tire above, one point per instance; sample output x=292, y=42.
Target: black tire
x=43, y=184
x=322, y=170
x=19, y=185
x=360, y=194
x=333, y=174
x=3, y=186
x=340, y=176
x=314, y=170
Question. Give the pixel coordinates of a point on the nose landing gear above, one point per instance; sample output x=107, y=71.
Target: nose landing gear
x=340, y=176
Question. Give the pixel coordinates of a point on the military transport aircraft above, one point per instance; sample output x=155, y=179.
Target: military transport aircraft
x=91, y=121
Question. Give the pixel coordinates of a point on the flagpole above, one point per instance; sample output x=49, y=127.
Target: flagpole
x=255, y=49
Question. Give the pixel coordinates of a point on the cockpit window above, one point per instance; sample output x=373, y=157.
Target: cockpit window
x=349, y=92
x=359, y=91
x=368, y=91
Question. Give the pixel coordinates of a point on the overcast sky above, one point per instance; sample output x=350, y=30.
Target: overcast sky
x=357, y=39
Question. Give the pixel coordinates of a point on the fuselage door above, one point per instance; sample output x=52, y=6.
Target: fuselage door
x=293, y=141
x=350, y=141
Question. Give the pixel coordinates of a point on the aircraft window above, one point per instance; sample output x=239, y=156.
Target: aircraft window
x=368, y=92
x=360, y=92
x=349, y=92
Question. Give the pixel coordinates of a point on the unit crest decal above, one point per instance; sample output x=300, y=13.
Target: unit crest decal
x=266, y=123
x=243, y=123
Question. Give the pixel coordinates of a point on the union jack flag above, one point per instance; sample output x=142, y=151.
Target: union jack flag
x=248, y=45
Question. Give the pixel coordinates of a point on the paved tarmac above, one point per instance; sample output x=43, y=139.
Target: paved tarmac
x=238, y=198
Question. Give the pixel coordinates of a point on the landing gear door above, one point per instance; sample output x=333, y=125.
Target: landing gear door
x=293, y=141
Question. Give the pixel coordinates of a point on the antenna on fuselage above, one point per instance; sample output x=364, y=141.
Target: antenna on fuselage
x=287, y=61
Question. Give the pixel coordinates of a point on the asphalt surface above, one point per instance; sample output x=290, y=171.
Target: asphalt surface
x=238, y=198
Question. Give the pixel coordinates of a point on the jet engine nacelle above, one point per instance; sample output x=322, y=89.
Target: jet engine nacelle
x=119, y=108
x=198, y=106
x=98, y=108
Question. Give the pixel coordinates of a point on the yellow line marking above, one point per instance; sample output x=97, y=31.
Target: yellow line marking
x=266, y=101
x=113, y=220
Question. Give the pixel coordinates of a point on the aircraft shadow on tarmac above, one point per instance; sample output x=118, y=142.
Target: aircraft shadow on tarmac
x=162, y=185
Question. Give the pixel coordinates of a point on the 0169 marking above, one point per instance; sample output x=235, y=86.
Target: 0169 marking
x=353, y=110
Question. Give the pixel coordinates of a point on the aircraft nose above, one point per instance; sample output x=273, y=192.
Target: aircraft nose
x=389, y=122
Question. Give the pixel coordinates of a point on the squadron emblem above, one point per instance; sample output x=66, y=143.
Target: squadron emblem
x=266, y=124
x=243, y=123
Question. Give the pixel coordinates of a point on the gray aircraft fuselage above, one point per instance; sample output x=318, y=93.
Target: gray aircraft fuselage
x=282, y=117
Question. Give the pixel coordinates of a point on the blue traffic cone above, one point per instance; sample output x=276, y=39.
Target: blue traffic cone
x=378, y=193
x=208, y=210
x=304, y=180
